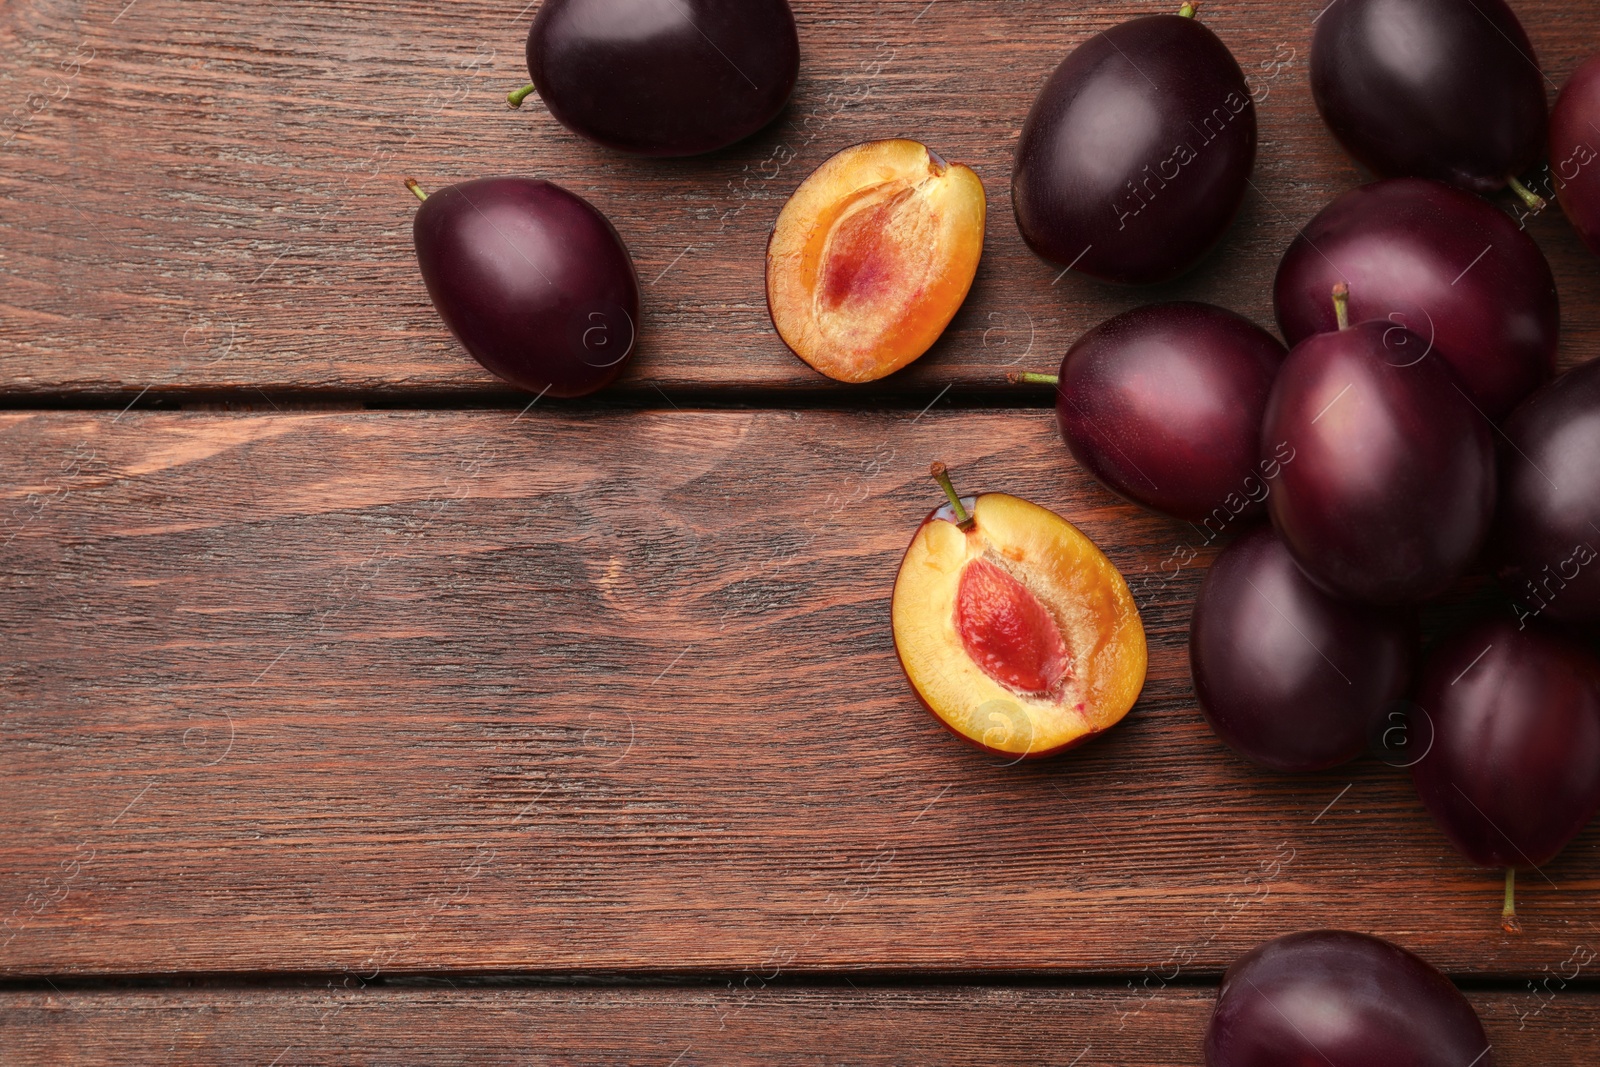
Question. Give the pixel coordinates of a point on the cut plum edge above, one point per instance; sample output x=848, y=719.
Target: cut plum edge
x=836, y=337
x=1120, y=652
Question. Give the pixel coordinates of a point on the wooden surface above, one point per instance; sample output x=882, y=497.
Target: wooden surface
x=211, y=196
x=438, y=1024
x=394, y=692
x=314, y=716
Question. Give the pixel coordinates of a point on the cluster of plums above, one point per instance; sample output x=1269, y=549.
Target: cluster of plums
x=1411, y=432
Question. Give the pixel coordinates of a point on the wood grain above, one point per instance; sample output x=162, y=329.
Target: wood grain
x=440, y=1025
x=384, y=693
x=204, y=195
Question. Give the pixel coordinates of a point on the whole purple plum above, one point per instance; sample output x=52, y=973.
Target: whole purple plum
x=534, y=282
x=1163, y=404
x=1137, y=152
x=1449, y=266
x=1335, y=997
x=1446, y=89
x=663, y=77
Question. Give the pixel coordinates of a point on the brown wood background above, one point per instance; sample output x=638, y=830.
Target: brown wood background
x=435, y=1023
x=354, y=680
x=211, y=197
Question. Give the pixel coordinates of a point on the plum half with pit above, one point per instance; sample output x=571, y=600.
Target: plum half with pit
x=1016, y=632
x=534, y=282
x=1336, y=997
x=1163, y=404
x=1286, y=675
x=1449, y=266
x=663, y=77
x=1137, y=152
x=1391, y=491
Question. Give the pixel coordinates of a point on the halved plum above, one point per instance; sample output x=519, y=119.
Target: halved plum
x=872, y=256
x=1014, y=629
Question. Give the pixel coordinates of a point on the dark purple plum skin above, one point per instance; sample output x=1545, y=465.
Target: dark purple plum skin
x=1547, y=524
x=1137, y=152
x=1163, y=404
x=1446, y=89
x=1332, y=996
x=534, y=282
x=1391, y=490
x=1286, y=675
x=1575, y=150
x=1514, y=770
x=664, y=77
x=1443, y=263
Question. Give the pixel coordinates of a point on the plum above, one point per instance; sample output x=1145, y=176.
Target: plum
x=1137, y=152
x=1547, y=527
x=1286, y=675
x=1445, y=89
x=1514, y=770
x=663, y=77
x=1392, y=488
x=872, y=257
x=534, y=282
x=1336, y=997
x=1444, y=263
x=1163, y=405
x=1575, y=150
x=1014, y=629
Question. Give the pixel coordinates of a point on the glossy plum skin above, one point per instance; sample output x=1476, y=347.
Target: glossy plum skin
x=664, y=77
x=1547, y=525
x=1136, y=154
x=1391, y=489
x=1514, y=771
x=1446, y=89
x=1331, y=996
x=534, y=282
x=1286, y=675
x=1443, y=263
x=1575, y=150
x=1163, y=404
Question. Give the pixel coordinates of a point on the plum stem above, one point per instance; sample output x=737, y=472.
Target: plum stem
x=1187, y=10
x=515, y=99
x=1030, y=378
x=417, y=190
x=1534, y=201
x=941, y=474
x=1341, y=305
x=1508, y=914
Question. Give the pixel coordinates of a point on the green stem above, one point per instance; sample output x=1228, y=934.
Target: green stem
x=941, y=474
x=1188, y=10
x=1341, y=305
x=1534, y=201
x=1508, y=914
x=1030, y=378
x=419, y=191
x=515, y=99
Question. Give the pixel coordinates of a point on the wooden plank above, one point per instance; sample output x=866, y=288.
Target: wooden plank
x=398, y=692
x=928, y=1025
x=204, y=195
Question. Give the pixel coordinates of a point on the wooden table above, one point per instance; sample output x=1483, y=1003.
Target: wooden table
x=355, y=711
